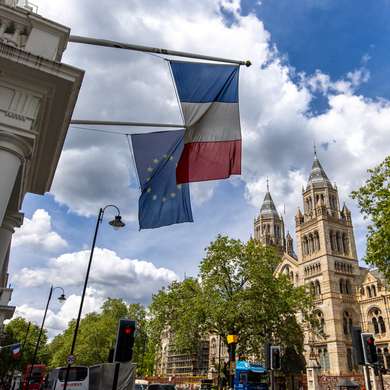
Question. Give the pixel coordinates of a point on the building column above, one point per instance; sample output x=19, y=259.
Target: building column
x=10, y=222
x=14, y=150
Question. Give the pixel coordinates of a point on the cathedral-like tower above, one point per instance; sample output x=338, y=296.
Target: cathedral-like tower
x=269, y=226
x=328, y=263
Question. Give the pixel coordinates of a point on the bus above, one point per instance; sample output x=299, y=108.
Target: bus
x=78, y=378
x=250, y=376
x=37, y=377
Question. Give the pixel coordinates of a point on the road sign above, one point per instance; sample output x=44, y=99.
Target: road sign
x=70, y=359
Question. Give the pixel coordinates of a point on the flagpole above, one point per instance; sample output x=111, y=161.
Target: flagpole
x=148, y=49
x=121, y=123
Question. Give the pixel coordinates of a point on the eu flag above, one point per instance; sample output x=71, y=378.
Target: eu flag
x=162, y=201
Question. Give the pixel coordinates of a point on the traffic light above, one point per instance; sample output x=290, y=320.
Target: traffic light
x=124, y=341
x=267, y=357
x=357, y=345
x=369, y=348
x=275, y=357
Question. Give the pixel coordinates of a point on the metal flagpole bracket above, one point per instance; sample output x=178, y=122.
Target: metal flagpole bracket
x=148, y=49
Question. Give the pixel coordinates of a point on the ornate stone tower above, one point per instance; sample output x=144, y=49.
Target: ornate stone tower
x=328, y=263
x=269, y=226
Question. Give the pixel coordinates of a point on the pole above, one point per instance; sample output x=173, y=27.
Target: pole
x=367, y=381
x=381, y=378
x=89, y=122
x=116, y=376
x=148, y=49
x=99, y=219
x=272, y=379
x=39, y=339
x=25, y=336
x=219, y=363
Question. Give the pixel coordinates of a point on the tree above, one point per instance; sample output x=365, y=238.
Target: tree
x=97, y=335
x=236, y=292
x=15, y=332
x=374, y=202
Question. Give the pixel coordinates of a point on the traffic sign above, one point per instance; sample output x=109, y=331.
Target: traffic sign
x=70, y=359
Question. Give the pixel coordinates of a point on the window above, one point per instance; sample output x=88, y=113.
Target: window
x=342, y=288
x=377, y=321
x=317, y=288
x=349, y=359
x=369, y=292
x=348, y=287
x=382, y=326
x=373, y=289
x=324, y=359
x=321, y=320
x=347, y=323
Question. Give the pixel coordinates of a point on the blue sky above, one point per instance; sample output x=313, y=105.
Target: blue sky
x=319, y=74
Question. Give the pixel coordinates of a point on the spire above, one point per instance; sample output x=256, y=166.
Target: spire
x=318, y=176
x=268, y=208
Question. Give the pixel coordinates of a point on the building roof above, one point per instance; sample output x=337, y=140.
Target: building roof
x=318, y=176
x=268, y=208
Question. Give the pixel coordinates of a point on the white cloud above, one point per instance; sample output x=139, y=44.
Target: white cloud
x=278, y=125
x=37, y=234
x=112, y=276
x=57, y=320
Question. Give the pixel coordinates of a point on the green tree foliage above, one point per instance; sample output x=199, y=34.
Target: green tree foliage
x=97, y=334
x=236, y=293
x=16, y=332
x=374, y=202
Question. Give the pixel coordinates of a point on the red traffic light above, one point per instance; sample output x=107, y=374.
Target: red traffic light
x=128, y=330
x=370, y=341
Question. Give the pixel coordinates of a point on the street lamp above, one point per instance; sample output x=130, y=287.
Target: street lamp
x=116, y=223
x=61, y=299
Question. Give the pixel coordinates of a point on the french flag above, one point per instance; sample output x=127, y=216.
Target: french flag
x=15, y=350
x=208, y=95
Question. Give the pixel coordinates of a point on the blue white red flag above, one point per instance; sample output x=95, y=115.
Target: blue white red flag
x=208, y=95
x=162, y=202
x=15, y=350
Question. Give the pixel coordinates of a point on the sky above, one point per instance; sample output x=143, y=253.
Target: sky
x=319, y=75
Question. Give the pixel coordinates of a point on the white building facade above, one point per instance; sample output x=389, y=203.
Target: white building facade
x=37, y=97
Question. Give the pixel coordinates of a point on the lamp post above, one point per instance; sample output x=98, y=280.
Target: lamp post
x=116, y=223
x=61, y=299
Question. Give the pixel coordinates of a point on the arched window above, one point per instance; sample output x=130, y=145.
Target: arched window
x=369, y=292
x=346, y=244
x=373, y=289
x=338, y=242
x=378, y=324
x=317, y=241
x=317, y=288
x=347, y=323
x=312, y=288
x=324, y=359
x=382, y=326
x=342, y=289
x=321, y=320
x=331, y=240
x=311, y=244
x=362, y=292
x=375, y=324
x=348, y=287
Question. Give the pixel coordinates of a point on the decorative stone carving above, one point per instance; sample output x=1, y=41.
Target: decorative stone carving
x=18, y=108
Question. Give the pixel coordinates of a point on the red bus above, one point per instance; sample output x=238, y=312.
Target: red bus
x=37, y=377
